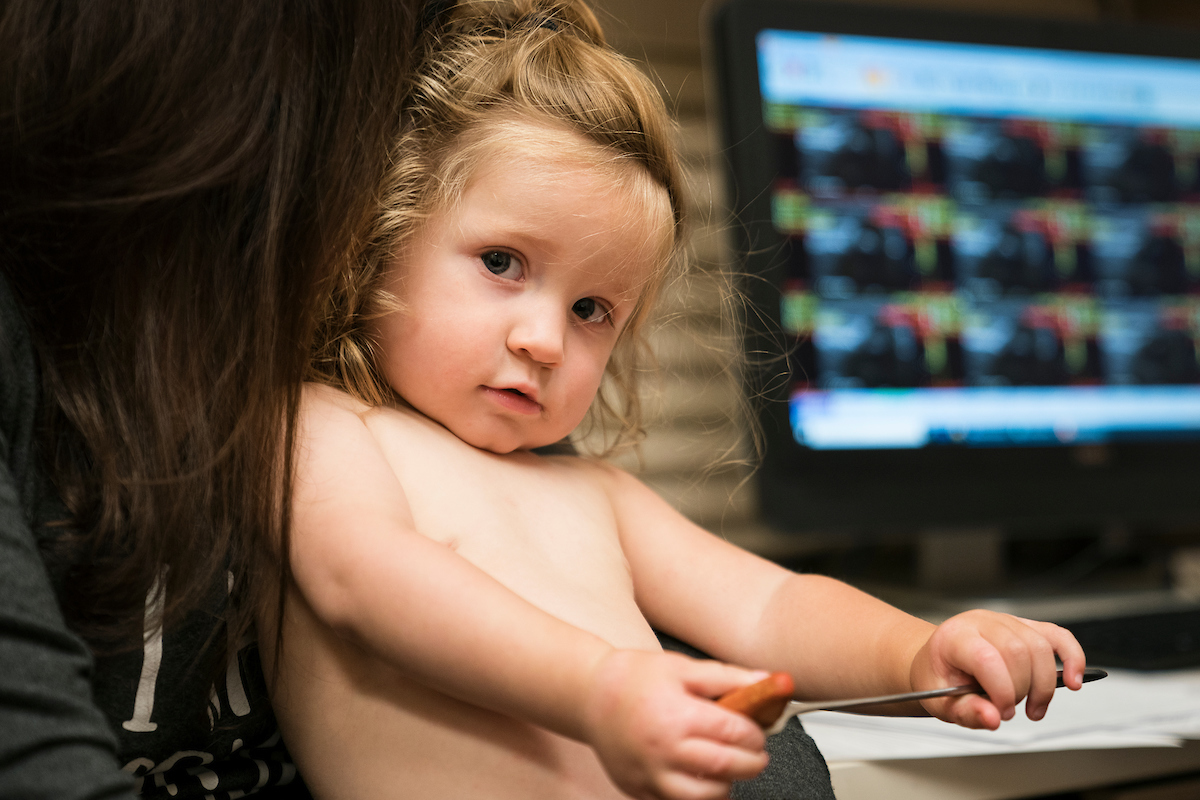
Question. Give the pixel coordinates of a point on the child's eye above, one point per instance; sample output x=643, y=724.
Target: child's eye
x=589, y=309
x=502, y=264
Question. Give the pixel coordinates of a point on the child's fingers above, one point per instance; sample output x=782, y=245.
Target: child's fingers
x=1043, y=641
x=710, y=759
x=727, y=728
x=1073, y=660
x=1011, y=658
x=713, y=678
x=682, y=786
x=972, y=711
x=710, y=679
x=1066, y=647
x=992, y=649
x=989, y=662
x=1043, y=679
x=1051, y=640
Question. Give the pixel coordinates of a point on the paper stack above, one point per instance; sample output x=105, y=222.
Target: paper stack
x=1126, y=709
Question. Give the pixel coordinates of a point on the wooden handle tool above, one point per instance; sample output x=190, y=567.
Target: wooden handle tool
x=764, y=701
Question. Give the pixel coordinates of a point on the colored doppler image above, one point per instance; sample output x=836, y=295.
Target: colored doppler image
x=929, y=250
x=880, y=344
x=1050, y=342
x=1149, y=343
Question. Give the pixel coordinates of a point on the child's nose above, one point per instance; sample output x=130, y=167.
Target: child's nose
x=540, y=335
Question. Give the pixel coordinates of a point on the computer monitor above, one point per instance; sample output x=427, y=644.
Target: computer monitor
x=977, y=239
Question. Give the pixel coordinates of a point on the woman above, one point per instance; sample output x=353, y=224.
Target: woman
x=178, y=181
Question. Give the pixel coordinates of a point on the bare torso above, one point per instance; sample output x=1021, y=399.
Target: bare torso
x=543, y=527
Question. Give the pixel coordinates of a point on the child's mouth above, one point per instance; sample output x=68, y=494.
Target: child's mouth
x=514, y=400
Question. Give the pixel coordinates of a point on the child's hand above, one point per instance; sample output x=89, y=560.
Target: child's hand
x=657, y=734
x=1010, y=657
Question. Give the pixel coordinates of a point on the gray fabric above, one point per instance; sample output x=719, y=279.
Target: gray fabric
x=54, y=742
x=797, y=770
x=62, y=714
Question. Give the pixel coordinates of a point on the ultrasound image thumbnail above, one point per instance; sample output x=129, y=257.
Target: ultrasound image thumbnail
x=1126, y=165
x=850, y=254
x=843, y=154
x=868, y=345
x=998, y=253
x=989, y=160
x=1013, y=344
x=1136, y=254
x=1142, y=345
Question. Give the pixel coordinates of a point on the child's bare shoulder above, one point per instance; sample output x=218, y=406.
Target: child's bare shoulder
x=331, y=427
x=595, y=466
x=342, y=470
x=623, y=489
x=320, y=399
x=339, y=427
x=328, y=415
x=338, y=424
x=594, y=471
x=325, y=406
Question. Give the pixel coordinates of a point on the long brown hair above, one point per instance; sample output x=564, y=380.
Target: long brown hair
x=487, y=62
x=180, y=180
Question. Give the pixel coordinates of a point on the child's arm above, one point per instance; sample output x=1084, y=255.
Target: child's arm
x=833, y=639
x=360, y=565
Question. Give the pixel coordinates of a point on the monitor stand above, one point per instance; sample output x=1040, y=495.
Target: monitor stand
x=963, y=568
x=961, y=560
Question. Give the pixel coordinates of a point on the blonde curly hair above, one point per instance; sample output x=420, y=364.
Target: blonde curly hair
x=488, y=62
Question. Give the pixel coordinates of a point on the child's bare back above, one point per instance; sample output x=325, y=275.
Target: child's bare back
x=541, y=525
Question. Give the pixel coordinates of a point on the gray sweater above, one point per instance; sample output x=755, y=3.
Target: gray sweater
x=54, y=742
x=149, y=720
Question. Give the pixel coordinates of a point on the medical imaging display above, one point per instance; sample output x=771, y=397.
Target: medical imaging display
x=985, y=245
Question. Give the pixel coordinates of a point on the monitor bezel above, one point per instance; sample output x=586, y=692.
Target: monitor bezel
x=802, y=489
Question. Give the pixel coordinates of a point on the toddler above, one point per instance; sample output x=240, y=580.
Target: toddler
x=468, y=618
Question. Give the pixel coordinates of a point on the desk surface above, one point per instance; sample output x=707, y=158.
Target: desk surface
x=1126, y=703
x=1012, y=775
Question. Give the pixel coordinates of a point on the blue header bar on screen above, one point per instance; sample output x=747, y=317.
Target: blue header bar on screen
x=801, y=68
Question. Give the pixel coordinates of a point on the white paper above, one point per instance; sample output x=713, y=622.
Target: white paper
x=1126, y=709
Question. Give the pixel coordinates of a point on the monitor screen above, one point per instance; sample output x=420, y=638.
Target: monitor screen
x=980, y=233
x=989, y=245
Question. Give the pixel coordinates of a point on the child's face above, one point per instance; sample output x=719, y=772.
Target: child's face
x=515, y=297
